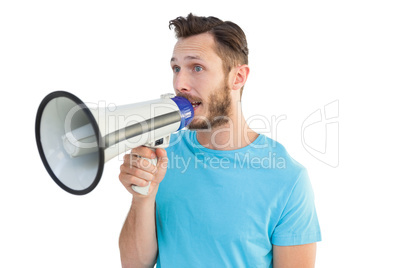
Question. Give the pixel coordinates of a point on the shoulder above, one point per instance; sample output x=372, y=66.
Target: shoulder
x=280, y=170
x=280, y=159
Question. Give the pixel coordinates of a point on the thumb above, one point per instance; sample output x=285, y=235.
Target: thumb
x=162, y=164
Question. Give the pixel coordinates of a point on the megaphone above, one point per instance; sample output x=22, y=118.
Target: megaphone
x=75, y=139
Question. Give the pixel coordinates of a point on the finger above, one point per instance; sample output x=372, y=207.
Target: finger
x=127, y=180
x=161, y=165
x=137, y=172
x=141, y=163
x=162, y=158
x=160, y=152
x=144, y=152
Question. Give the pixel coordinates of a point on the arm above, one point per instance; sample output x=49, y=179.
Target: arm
x=137, y=242
x=298, y=230
x=300, y=256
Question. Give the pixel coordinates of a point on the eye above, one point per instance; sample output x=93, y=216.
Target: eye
x=176, y=69
x=198, y=68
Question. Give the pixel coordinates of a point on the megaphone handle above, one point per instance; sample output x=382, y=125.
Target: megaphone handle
x=159, y=143
x=144, y=189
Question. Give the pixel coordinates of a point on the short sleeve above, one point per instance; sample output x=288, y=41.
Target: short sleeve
x=298, y=223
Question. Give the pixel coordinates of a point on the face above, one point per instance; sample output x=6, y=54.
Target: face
x=198, y=76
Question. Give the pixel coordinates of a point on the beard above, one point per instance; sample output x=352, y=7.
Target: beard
x=219, y=109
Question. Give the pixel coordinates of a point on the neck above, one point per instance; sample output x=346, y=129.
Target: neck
x=233, y=135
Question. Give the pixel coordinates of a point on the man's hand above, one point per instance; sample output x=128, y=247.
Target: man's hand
x=139, y=171
x=138, y=244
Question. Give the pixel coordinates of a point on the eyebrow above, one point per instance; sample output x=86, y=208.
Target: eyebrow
x=187, y=58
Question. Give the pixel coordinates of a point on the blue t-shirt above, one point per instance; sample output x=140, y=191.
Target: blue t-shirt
x=227, y=208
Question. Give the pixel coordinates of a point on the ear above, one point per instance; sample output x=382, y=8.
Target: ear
x=241, y=74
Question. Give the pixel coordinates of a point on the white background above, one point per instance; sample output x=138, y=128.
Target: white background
x=303, y=56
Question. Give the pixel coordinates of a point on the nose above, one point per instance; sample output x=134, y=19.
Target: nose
x=181, y=82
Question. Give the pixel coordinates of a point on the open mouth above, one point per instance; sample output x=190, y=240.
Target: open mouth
x=195, y=104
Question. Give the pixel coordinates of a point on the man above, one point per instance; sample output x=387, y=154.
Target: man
x=217, y=202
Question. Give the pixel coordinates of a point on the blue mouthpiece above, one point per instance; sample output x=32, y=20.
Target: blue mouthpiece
x=186, y=110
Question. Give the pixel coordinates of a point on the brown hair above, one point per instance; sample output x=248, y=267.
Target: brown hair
x=231, y=42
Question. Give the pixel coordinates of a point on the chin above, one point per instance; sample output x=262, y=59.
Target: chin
x=198, y=126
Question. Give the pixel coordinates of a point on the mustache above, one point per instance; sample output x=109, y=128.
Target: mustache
x=189, y=97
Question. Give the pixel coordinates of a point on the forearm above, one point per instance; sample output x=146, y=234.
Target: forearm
x=138, y=244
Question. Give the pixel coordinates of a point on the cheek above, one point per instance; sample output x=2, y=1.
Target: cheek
x=207, y=84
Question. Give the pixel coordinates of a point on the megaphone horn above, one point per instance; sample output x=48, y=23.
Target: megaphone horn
x=75, y=141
